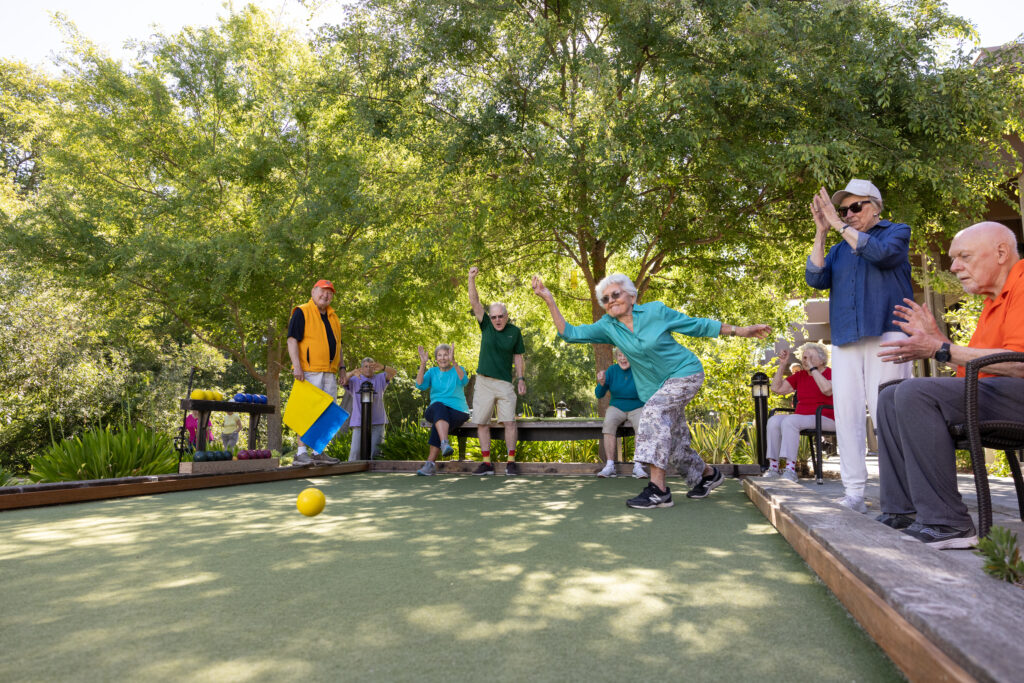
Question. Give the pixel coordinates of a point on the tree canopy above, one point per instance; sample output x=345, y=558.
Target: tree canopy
x=198, y=192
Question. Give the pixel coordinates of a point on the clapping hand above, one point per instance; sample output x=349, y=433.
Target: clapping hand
x=823, y=210
x=539, y=289
x=916, y=317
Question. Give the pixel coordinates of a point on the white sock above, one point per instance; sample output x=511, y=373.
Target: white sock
x=611, y=462
x=791, y=465
x=301, y=451
x=773, y=465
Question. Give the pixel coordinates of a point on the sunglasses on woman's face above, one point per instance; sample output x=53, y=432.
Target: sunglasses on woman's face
x=612, y=296
x=855, y=207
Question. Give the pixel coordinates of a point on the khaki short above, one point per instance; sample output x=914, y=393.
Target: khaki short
x=327, y=381
x=486, y=393
x=613, y=418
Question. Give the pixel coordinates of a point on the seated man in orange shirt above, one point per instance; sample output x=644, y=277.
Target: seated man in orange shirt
x=917, y=465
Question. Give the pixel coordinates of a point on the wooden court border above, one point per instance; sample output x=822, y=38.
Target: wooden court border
x=917, y=657
x=79, y=492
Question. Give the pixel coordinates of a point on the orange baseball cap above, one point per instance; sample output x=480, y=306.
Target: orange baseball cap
x=325, y=284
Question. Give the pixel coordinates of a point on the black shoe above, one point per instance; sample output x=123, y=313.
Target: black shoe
x=943, y=537
x=652, y=497
x=511, y=469
x=483, y=469
x=706, y=483
x=896, y=521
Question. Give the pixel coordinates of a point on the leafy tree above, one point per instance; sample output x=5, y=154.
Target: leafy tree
x=204, y=182
x=657, y=137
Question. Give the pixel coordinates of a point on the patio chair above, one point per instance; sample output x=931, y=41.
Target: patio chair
x=975, y=435
x=815, y=437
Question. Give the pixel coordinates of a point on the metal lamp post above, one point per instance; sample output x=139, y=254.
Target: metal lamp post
x=759, y=390
x=561, y=410
x=366, y=393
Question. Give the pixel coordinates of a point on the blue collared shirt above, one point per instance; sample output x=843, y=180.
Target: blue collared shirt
x=865, y=283
x=654, y=354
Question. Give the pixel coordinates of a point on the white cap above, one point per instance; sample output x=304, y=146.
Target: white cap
x=860, y=188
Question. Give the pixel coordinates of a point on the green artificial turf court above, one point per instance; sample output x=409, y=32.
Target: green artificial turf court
x=406, y=578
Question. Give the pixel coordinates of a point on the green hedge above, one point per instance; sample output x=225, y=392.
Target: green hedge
x=106, y=454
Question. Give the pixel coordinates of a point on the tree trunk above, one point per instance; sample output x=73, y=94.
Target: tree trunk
x=272, y=382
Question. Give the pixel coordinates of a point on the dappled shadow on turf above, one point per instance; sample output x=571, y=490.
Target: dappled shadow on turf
x=408, y=578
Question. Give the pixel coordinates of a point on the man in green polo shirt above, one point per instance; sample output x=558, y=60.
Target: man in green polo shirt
x=501, y=349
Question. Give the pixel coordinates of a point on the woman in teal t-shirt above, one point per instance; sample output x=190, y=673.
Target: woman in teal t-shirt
x=448, y=409
x=667, y=377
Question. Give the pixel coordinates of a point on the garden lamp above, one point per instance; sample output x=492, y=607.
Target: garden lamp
x=366, y=393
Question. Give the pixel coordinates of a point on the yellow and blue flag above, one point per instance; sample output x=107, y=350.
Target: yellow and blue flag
x=313, y=413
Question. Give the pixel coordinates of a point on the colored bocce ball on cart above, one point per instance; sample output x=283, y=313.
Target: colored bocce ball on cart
x=311, y=502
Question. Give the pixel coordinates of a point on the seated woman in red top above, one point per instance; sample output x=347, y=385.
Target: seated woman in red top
x=813, y=387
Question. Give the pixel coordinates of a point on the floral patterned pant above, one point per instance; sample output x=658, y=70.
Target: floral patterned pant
x=663, y=437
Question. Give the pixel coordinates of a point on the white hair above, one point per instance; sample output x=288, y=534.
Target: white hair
x=817, y=348
x=442, y=347
x=504, y=308
x=367, y=360
x=627, y=286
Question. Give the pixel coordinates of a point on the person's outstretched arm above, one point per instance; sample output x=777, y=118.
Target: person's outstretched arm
x=544, y=293
x=474, y=297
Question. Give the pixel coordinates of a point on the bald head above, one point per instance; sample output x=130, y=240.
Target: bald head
x=983, y=255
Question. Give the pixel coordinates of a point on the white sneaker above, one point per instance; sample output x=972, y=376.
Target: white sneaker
x=302, y=460
x=771, y=473
x=854, y=503
x=608, y=471
x=638, y=471
x=790, y=475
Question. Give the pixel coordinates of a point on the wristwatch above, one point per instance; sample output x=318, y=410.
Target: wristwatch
x=943, y=355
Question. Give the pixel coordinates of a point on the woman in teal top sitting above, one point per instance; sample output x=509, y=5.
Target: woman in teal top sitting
x=448, y=409
x=625, y=404
x=667, y=377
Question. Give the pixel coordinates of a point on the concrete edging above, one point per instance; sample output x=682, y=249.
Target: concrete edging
x=934, y=620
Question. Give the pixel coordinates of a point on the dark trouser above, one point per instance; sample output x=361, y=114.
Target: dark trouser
x=916, y=459
x=438, y=411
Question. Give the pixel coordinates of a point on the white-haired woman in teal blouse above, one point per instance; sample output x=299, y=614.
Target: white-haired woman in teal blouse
x=667, y=377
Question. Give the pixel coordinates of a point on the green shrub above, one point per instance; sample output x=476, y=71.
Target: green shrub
x=1002, y=556
x=106, y=454
x=405, y=441
x=717, y=442
x=999, y=466
x=6, y=478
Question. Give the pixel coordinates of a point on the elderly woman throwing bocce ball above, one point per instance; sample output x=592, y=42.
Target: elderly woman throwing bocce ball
x=667, y=377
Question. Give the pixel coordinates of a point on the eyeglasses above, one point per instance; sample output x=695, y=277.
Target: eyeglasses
x=612, y=296
x=856, y=207
x=499, y=316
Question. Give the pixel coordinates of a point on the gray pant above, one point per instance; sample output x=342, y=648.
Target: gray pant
x=229, y=440
x=663, y=436
x=376, y=436
x=916, y=460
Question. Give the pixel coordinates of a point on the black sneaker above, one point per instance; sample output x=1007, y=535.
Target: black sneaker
x=511, y=469
x=708, y=482
x=896, y=521
x=483, y=469
x=943, y=537
x=652, y=497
